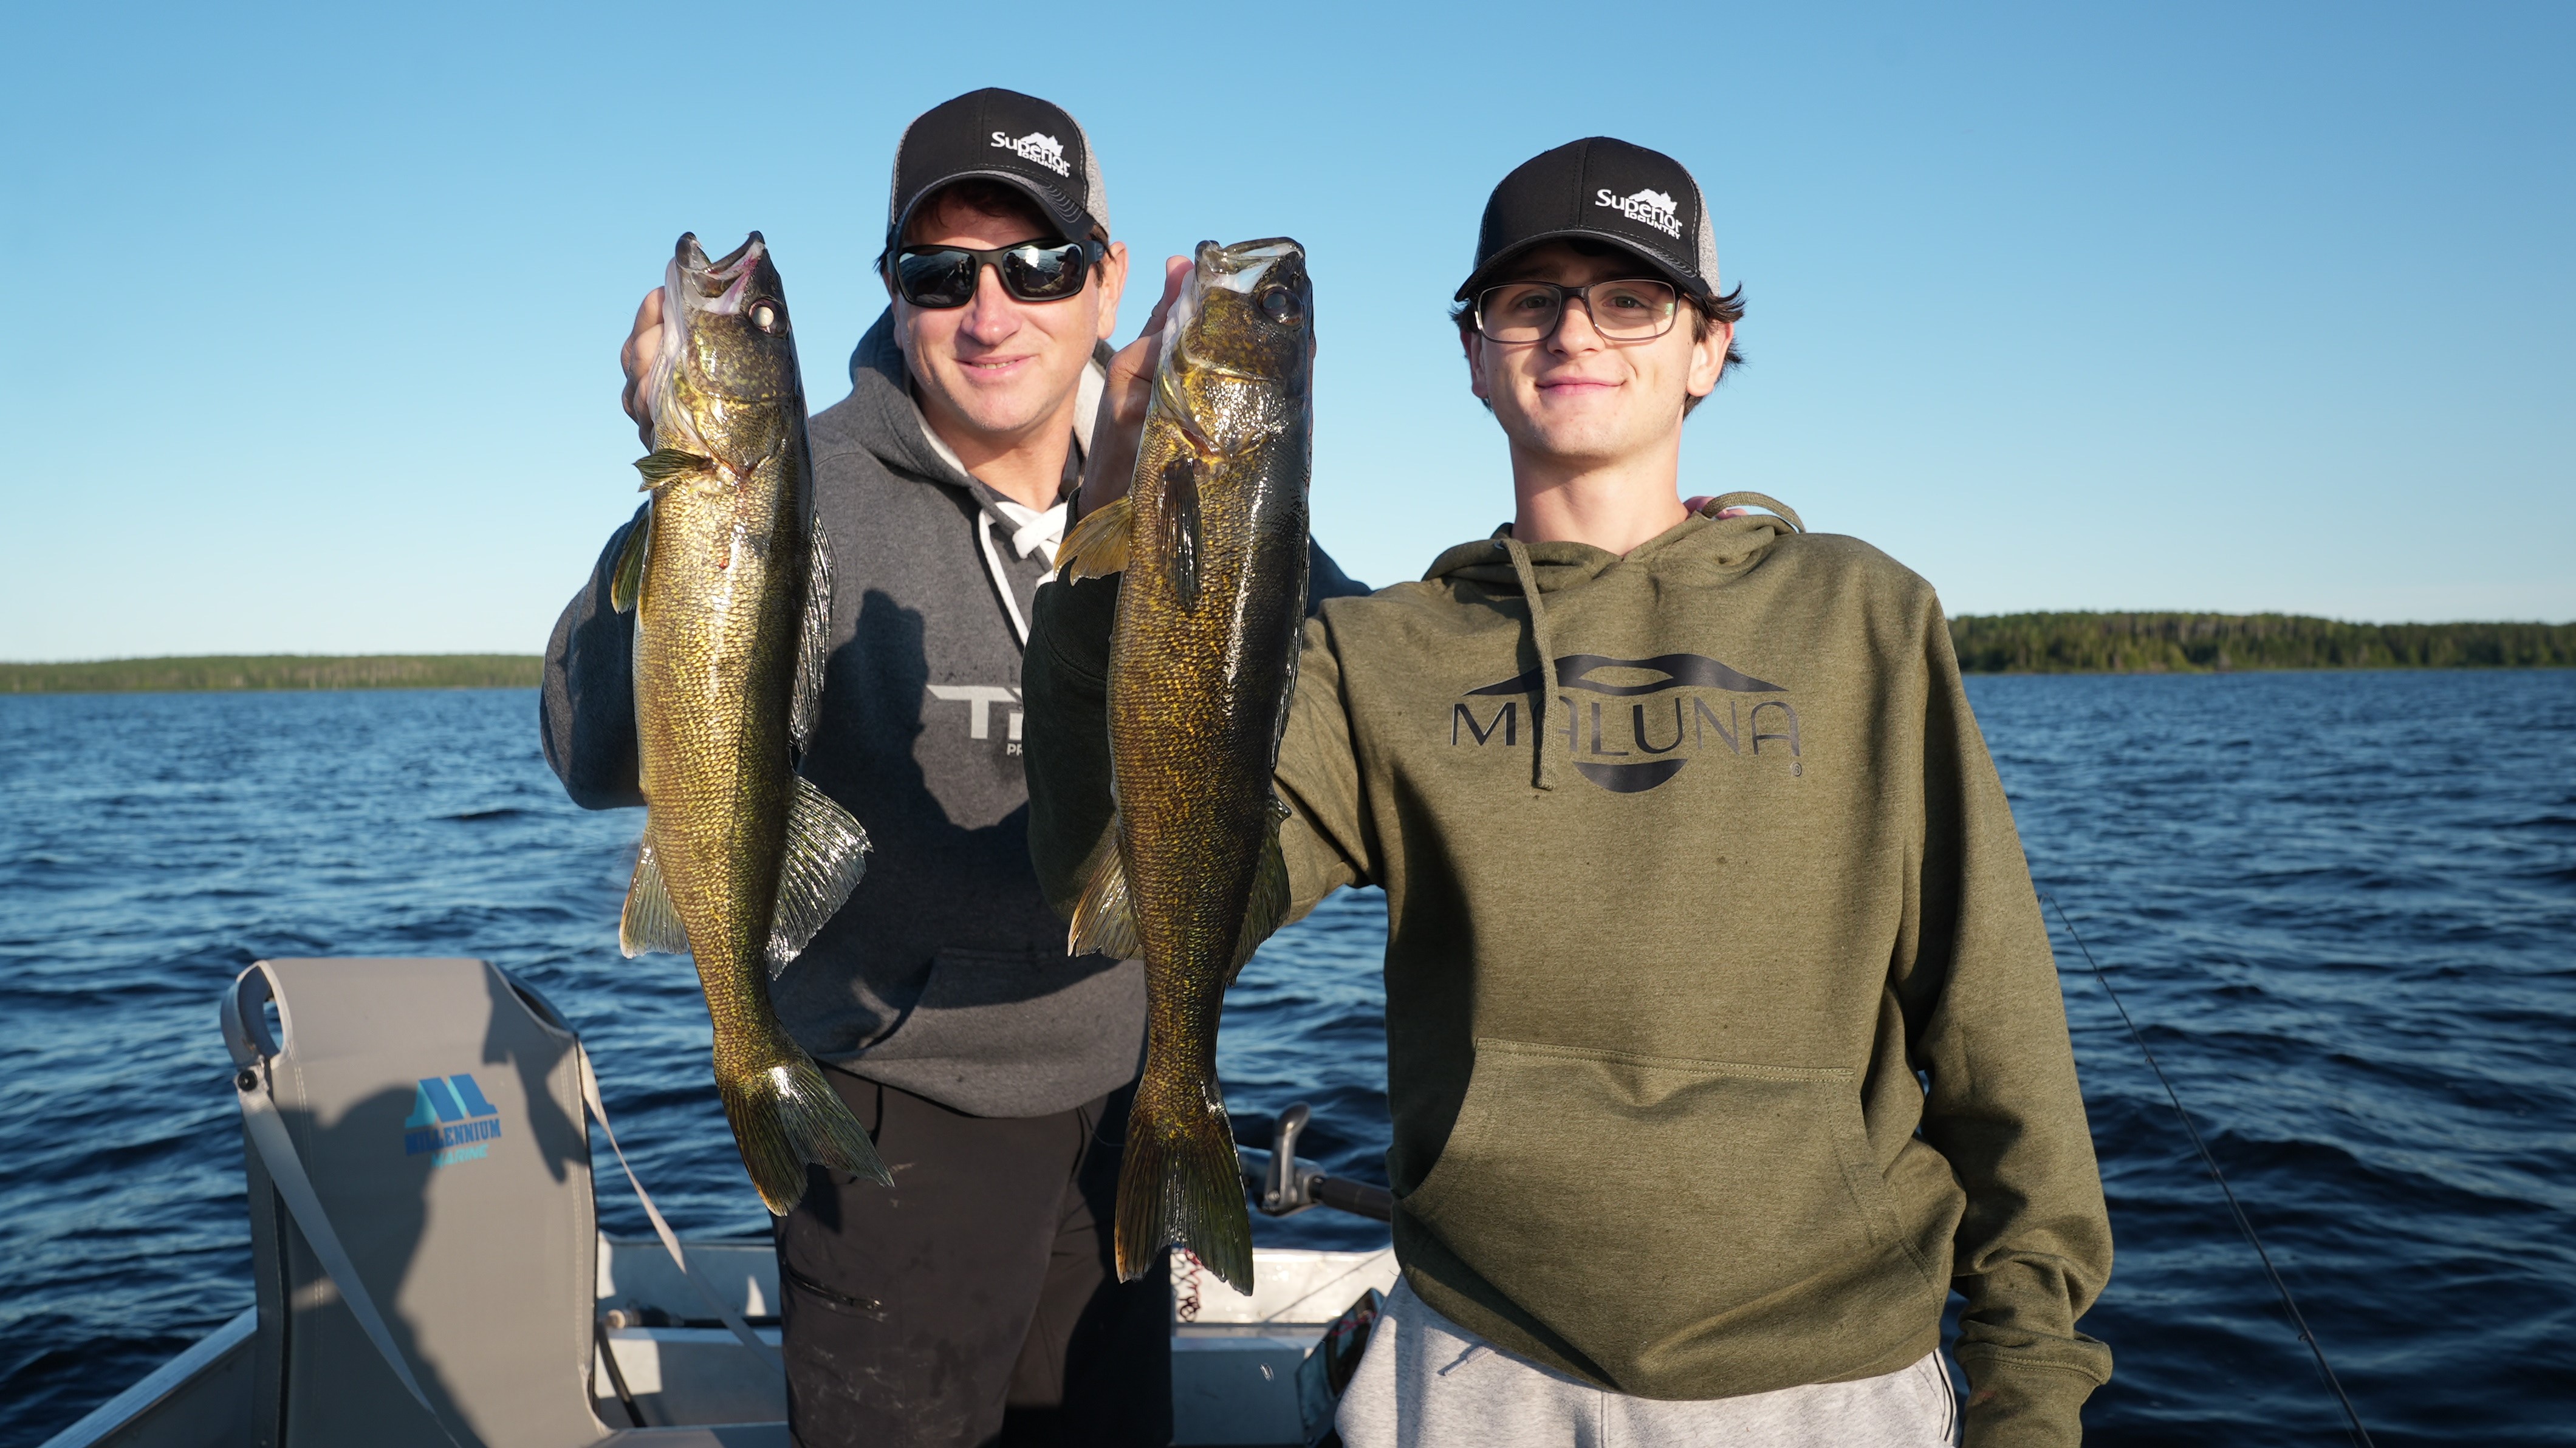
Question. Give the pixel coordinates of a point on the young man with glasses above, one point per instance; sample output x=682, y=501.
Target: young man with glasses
x=973, y=1301
x=1723, y=1035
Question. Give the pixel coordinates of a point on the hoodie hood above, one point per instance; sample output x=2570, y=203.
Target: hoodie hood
x=890, y=425
x=1706, y=545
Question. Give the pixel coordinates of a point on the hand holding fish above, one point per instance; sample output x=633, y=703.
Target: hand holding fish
x=643, y=344
x=1120, y=425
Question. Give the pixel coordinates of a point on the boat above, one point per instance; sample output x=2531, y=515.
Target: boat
x=1235, y=1359
x=684, y=1331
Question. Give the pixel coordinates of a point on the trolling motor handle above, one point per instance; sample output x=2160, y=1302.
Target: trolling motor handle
x=1284, y=1188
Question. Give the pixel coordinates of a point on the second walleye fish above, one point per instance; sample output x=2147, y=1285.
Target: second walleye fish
x=1202, y=660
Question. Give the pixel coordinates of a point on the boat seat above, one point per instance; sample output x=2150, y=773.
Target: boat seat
x=423, y=1232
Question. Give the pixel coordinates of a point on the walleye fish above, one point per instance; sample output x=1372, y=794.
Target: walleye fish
x=730, y=579
x=1203, y=659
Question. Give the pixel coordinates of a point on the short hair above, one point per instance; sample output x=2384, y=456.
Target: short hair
x=984, y=197
x=1705, y=312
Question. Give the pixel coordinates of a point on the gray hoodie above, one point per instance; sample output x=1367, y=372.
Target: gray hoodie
x=945, y=975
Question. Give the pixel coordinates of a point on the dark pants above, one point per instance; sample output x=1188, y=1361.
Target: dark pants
x=976, y=1300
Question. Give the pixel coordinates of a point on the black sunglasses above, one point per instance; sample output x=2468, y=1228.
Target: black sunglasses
x=1033, y=271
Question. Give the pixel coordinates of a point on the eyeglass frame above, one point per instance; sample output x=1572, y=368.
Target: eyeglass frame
x=1671, y=315
x=1092, y=248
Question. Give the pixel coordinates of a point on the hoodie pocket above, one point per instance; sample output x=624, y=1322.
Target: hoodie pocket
x=1653, y=1210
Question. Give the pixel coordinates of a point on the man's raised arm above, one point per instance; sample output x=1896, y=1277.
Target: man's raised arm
x=586, y=711
x=586, y=714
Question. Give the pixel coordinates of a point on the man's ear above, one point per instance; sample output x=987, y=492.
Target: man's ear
x=1708, y=358
x=1473, y=344
x=1111, y=277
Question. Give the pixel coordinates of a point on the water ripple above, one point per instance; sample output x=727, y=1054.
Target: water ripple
x=2338, y=903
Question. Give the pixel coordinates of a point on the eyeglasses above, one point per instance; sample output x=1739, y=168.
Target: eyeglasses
x=1629, y=310
x=1033, y=271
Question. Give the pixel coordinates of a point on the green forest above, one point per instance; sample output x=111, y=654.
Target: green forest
x=2007, y=643
x=274, y=671
x=2147, y=643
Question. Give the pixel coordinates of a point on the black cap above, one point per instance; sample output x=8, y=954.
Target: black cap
x=1004, y=136
x=1603, y=190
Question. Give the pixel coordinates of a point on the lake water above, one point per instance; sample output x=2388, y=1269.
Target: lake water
x=2341, y=906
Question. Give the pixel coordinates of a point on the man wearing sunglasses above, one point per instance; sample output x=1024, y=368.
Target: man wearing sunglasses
x=973, y=1301
x=1723, y=1037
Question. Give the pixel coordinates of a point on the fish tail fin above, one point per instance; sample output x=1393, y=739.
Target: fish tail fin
x=1182, y=1183
x=788, y=1115
x=1097, y=546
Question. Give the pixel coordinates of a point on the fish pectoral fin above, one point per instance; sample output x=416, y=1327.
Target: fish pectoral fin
x=1097, y=546
x=827, y=853
x=626, y=585
x=650, y=922
x=665, y=463
x=1181, y=537
x=1268, y=907
x=814, y=639
x=1104, y=919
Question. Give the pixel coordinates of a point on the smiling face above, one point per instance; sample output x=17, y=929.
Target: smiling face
x=1575, y=399
x=999, y=368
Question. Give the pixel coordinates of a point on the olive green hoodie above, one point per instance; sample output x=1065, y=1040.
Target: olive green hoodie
x=1723, y=1036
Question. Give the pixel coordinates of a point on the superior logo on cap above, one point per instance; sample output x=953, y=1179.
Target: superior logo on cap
x=1648, y=208
x=1037, y=147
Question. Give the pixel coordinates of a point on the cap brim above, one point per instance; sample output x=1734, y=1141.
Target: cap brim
x=1077, y=223
x=1483, y=276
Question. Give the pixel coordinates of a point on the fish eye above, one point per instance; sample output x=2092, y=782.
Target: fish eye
x=1280, y=305
x=769, y=317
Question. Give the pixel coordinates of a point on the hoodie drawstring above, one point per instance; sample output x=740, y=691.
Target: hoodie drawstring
x=1546, y=647
x=1031, y=532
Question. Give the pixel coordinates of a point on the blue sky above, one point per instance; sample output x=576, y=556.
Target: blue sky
x=2229, y=307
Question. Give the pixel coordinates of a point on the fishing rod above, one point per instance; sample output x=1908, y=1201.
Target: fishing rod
x=2243, y=1223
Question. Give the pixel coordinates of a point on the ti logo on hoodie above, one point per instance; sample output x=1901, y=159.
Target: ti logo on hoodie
x=1627, y=734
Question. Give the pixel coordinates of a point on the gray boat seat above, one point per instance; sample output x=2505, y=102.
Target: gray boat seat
x=422, y=1224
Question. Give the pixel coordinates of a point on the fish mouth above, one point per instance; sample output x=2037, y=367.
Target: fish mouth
x=716, y=287
x=1241, y=267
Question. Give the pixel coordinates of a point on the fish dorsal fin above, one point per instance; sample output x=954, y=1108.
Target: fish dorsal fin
x=827, y=852
x=1180, y=517
x=1268, y=908
x=665, y=463
x=650, y=922
x=814, y=639
x=626, y=585
x=1104, y=919
x=1097, y=546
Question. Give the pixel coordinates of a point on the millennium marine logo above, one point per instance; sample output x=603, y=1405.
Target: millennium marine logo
x=450, y=1118
x=1635, y=753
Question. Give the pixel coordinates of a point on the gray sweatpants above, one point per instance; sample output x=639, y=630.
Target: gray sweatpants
x=1426, y=1382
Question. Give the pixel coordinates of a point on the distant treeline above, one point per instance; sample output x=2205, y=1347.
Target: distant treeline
x=274, y=671
x=2148, y=643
